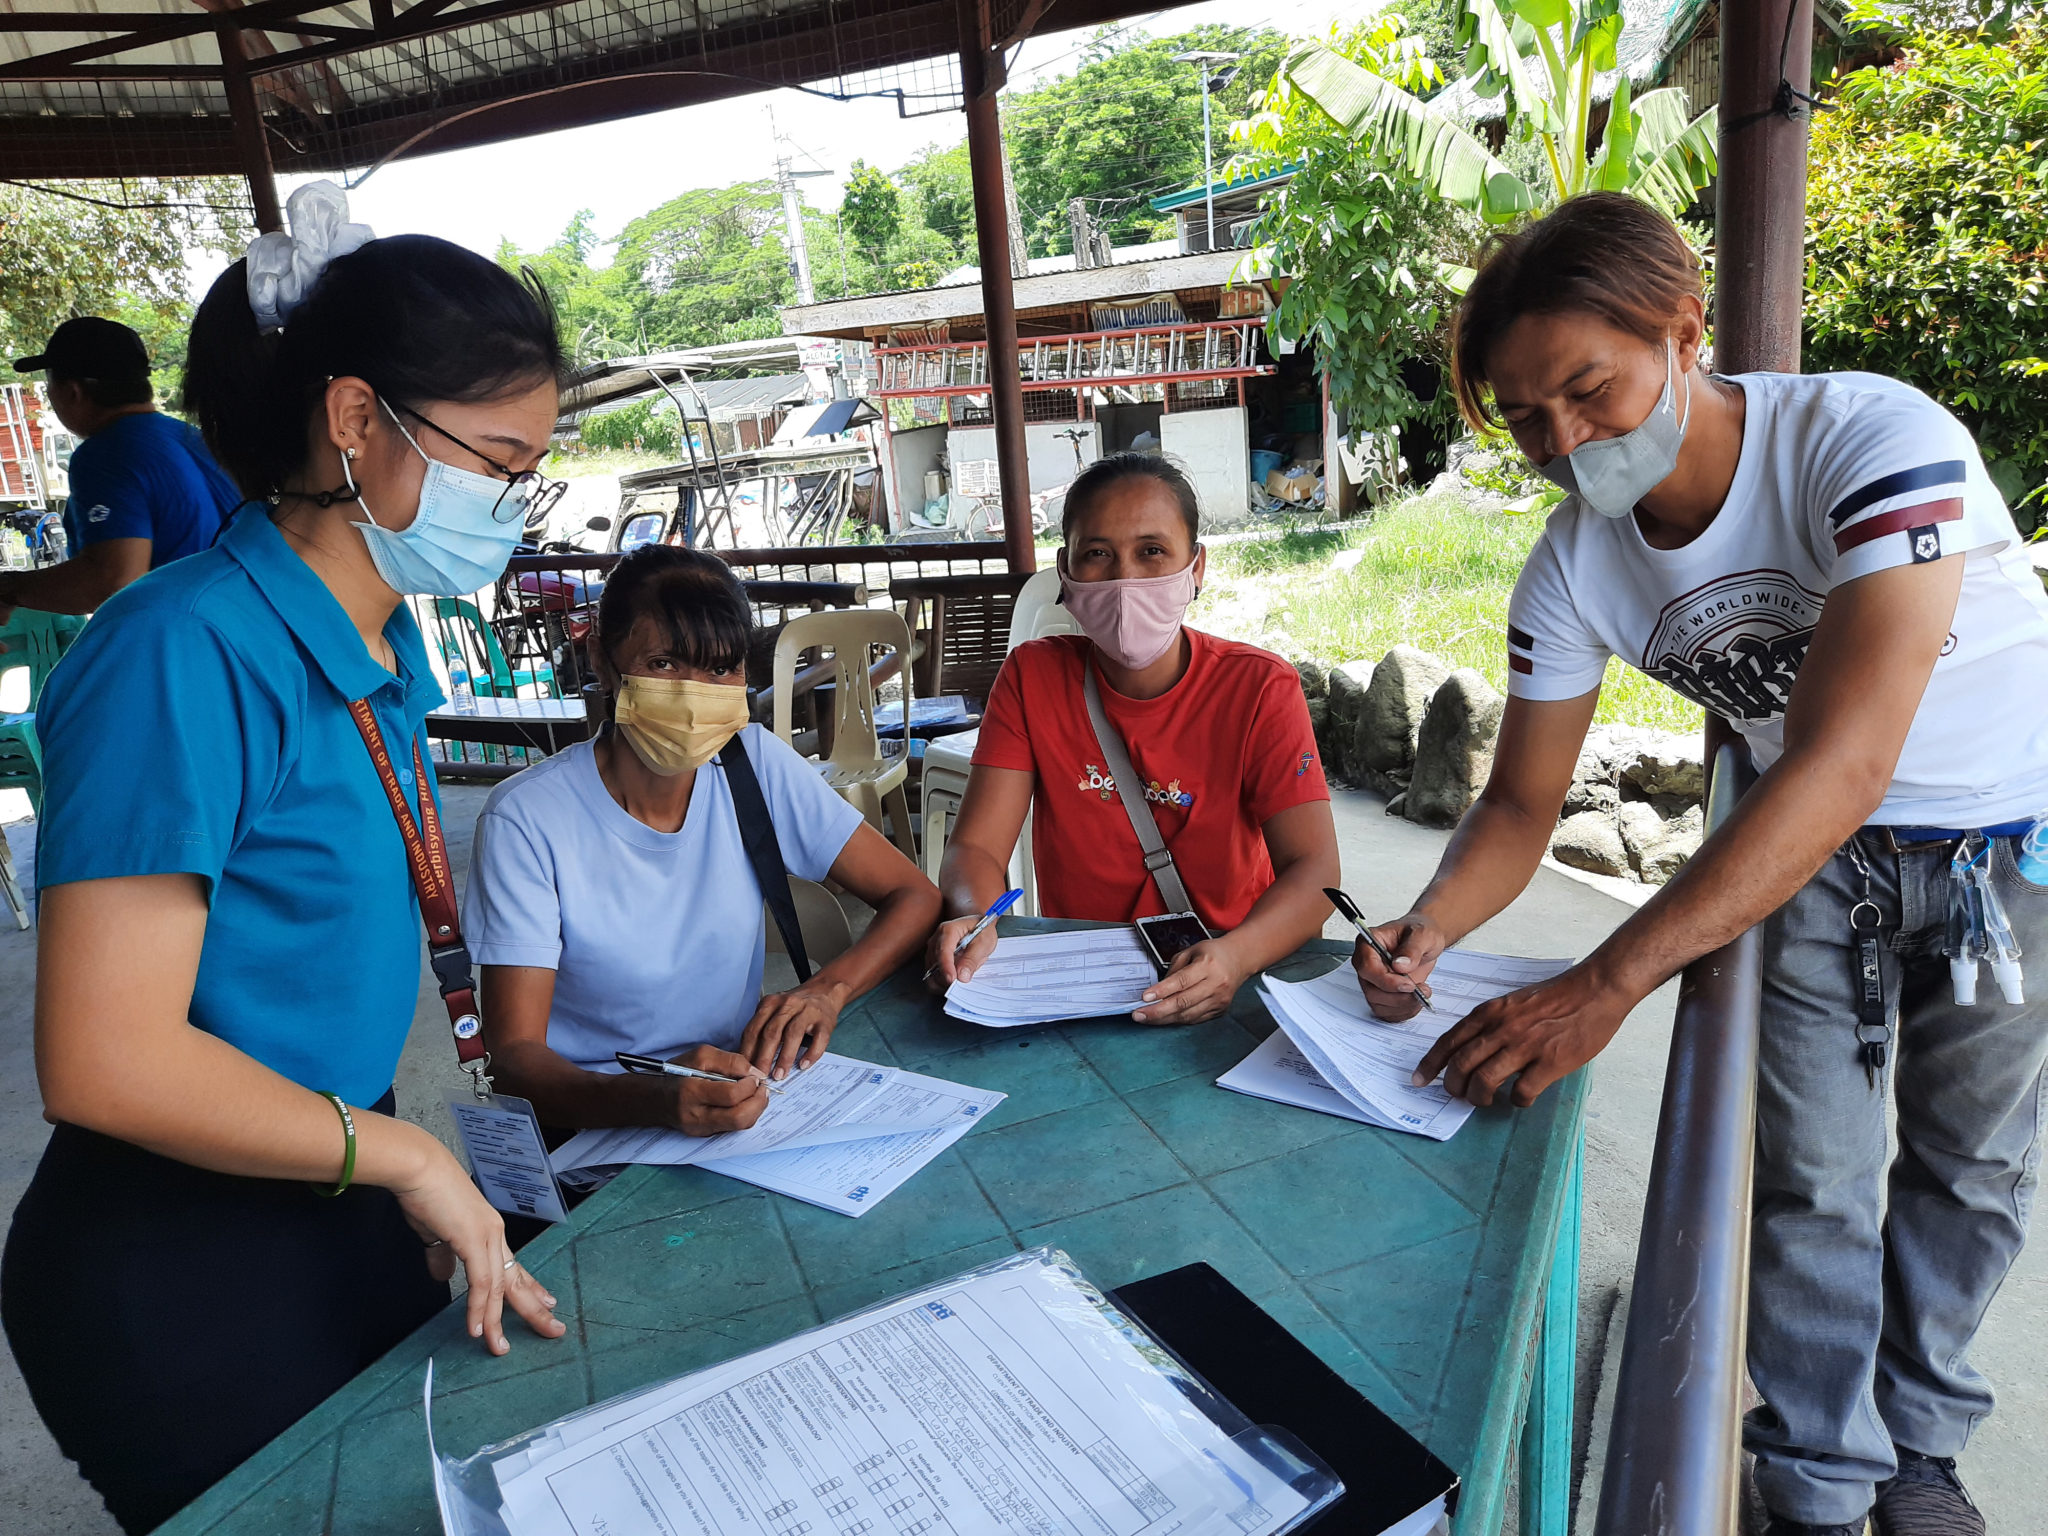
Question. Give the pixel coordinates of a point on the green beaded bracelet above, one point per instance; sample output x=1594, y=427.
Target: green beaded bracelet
x=348, y=1156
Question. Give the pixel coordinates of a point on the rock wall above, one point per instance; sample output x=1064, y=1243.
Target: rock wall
x=1423, y=736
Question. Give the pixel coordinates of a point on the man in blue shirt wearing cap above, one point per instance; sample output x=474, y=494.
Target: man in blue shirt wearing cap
x=144, y=490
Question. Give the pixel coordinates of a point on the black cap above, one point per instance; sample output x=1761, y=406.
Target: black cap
x=90, y=348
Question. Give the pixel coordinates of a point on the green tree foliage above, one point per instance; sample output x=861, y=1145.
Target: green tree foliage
x=63, y=256
x=944, y=187
x=705, y=267
x=1540, y=58
x=1362, y=242
x=707, y=262
x=1927, y=241
x=872, y=209
x=594, y=304
x=1124, y=128
x=1434, y=26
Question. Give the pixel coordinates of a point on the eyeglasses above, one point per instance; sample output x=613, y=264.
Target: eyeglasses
x=540, y=494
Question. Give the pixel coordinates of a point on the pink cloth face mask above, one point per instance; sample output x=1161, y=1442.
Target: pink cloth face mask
x=1135, y=620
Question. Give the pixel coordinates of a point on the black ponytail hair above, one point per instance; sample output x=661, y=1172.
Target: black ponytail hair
x=691, y=595
x=1129, y=464
x=418, y=318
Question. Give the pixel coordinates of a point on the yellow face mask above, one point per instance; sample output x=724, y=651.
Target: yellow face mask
x=674, y=725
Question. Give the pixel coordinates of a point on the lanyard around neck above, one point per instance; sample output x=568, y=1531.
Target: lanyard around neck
x=426, y=850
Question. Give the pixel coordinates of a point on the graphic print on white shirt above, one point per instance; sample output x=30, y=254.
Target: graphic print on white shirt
x=1840, y=476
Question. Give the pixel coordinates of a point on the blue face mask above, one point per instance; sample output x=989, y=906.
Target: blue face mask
x=465, y=530
x=1612, y=474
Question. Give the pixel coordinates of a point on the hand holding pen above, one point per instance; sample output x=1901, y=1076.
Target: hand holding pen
x=712, y=1090
x=1386, y=978
x=949, y=945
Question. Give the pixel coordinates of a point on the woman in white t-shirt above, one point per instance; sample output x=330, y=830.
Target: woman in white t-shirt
x=612, y=904
x=1823, y=561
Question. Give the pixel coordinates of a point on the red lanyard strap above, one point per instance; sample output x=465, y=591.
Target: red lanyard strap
x=426, y=850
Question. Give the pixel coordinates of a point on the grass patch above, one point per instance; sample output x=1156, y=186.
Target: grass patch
x=1433, y=572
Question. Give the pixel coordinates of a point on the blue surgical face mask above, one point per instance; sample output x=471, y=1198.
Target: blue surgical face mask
x=1612, y=474
x=465, y=530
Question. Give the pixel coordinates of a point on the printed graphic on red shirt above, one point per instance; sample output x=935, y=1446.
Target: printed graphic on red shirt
x=1735, y=645
x=1103, y=786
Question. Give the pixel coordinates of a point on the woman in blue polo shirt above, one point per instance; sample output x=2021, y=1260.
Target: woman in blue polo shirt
x=229, y=948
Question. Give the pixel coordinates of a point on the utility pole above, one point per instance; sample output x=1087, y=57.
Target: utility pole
x=1211, y=84
x=1020, y=255
x=786, y=176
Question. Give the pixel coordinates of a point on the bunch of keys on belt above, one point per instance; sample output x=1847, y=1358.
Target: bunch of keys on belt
x=1978, y=928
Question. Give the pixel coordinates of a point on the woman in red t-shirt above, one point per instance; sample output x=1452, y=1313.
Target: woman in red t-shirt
x=1218, y=733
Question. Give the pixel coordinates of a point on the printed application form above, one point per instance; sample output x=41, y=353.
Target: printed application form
x=993, y=1405
x=1042, y=977
x=843, y=1134
x=1366, y=1063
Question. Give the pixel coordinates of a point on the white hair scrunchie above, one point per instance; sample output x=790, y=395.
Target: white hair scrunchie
x=284, y=268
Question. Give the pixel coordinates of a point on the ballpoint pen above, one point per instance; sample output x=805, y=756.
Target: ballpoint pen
x=654, y=1065
x=1348, y=909
x=997, y=908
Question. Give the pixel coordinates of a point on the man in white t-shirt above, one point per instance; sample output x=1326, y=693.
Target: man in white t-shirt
x=1824, y=562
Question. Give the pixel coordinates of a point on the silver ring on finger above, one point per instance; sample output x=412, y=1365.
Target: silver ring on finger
x=511, y=1264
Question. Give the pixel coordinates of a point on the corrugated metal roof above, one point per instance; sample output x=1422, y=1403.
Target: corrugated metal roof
x=138, y=87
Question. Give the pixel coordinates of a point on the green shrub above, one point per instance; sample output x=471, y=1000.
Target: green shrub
x=1927, y=240
x=648, y=426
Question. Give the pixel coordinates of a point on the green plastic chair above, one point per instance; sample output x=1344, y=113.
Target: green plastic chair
x=33, y=641
x=462, y=634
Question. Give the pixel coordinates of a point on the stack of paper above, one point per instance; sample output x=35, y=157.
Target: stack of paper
x=843, y=1134
x=1331, y=1054
x=1040, y=978
x=991, y=1404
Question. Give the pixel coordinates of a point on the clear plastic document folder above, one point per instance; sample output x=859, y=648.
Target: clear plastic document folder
x=1011, y=1399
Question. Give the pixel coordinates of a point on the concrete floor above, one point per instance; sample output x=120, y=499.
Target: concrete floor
x=1385, y=861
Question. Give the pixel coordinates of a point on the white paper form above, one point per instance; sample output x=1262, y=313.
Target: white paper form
x=1278, y=1071
x=852, y=1177
x=1372, y=1063
x=988, y=1407
x=838, y=1099
x=1038, y=978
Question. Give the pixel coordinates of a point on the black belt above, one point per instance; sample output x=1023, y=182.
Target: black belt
x=1906, y=839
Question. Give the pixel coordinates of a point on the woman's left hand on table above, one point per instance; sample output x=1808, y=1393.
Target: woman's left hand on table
x=790, y=1030
x=1198, y=985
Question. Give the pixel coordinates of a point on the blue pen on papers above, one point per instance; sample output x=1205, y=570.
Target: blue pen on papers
x=997, y=908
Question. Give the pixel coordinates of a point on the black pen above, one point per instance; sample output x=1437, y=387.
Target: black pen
x=1348, y=909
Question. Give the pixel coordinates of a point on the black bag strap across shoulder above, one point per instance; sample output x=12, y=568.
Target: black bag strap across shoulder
x=757, y=835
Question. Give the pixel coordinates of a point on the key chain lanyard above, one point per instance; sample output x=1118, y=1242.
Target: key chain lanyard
x=1873, y=1029
x=426, y=850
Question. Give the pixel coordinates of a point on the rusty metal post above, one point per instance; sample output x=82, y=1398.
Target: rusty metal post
x=251, y=142
x=980, y=79
x=1760, y=210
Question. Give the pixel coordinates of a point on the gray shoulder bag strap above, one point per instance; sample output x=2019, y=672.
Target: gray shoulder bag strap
x=1158, y=860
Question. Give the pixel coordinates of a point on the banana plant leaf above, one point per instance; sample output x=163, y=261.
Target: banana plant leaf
x=1433, y=147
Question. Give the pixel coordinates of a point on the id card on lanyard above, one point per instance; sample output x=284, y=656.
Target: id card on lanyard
x=499, y=1132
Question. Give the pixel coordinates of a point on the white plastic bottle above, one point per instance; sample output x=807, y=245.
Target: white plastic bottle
x=461, y=696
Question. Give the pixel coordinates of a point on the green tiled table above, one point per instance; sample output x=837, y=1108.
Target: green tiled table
x=1422, y=1271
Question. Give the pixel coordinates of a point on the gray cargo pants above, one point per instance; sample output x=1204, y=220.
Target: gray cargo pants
x=1866, y=1284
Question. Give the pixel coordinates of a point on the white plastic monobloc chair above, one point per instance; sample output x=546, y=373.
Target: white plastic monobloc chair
x=870, y=774
x=946, y=760
x=820, y=918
